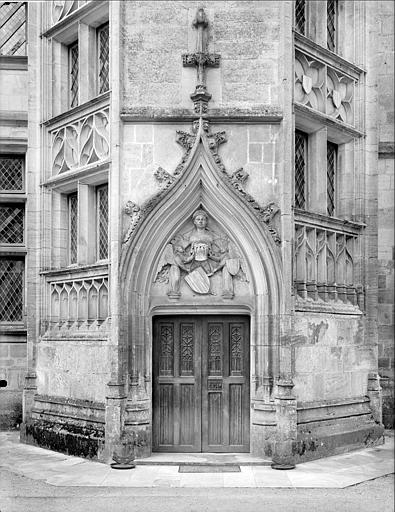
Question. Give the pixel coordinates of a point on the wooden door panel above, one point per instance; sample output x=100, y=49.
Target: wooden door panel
x=176, y=386
x=201, y=384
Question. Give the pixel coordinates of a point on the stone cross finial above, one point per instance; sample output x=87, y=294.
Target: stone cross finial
x=202, y=60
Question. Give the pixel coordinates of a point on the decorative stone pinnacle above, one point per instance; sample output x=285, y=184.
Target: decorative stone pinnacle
x=202, y=60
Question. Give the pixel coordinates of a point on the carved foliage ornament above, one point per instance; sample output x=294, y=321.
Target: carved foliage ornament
x=80, y=143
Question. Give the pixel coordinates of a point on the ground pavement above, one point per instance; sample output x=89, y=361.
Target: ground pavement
x=56, y=469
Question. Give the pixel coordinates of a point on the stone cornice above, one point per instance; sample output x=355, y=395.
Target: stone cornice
x=13, y=117
x=256, y=114
x=320, y=53
x=95, y=173
x=100, y=101
x=83, y=14
x=318, y=220
x=76, y=272
x=323, y=119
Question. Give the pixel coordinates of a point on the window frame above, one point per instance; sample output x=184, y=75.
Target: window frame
x=335, y=148
x=305, y=137
x=70, y=48
x=335, y=26
x=70, y=256
x=98, y=64
x=97, y=214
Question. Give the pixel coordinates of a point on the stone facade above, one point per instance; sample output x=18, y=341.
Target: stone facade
x=259, y=115
x=14, y=190
x=385, y=17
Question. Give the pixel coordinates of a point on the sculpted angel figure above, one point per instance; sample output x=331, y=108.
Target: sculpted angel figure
x=201, y=248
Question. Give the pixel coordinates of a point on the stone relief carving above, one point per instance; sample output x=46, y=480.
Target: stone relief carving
x=340, y=90
x=201, y=132
x=322, y=88
x=197, y=255
x=309, y=82
x=80, y=143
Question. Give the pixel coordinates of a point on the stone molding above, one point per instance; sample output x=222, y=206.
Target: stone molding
x=17, y=62
x=82, y=14
x=99, y=102
x=327, y=57
x=324, y=221
x=345, y=131
x=238, y=115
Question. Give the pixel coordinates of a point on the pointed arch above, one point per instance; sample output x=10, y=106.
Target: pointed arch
x=200, y=184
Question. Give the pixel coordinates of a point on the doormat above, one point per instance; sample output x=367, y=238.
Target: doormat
x=185, y=468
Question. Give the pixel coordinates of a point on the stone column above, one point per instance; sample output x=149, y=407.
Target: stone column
x=114, y=418
x=285, y=403
x=374, y=394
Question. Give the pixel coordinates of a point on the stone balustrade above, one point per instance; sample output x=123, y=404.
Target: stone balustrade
x=325, y=264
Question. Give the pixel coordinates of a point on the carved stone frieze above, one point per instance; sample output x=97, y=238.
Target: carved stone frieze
x=83, y=142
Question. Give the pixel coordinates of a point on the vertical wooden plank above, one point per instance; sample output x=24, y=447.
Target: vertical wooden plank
x=215, y=423
x=187, y=414
x=166, y=416
x=235, y=414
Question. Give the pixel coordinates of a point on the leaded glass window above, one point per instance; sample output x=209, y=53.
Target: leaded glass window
x=13, y=28
x=11, y=174
x=73, y=66
x=104, y=58
x=11, y=289
x=11, y=224
x=102, y=222
x=300, y=16
x=331, y=159
x=300, y=169
x=331, y=16
x=73, y=227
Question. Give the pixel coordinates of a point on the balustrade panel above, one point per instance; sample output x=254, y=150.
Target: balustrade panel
x=325, y=268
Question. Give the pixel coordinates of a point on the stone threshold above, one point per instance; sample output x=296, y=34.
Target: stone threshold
x=202, y=459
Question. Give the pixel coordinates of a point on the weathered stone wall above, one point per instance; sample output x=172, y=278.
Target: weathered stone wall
x=330, y=359
x=385, y=81
x=156, y=35
x=13, y=136
x=253, y=147
x=73, y=368
x=12, y=370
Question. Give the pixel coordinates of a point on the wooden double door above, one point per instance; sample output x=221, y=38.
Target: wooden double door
x=201, y=384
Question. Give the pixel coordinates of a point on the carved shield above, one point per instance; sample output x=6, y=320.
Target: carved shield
x=198, y=280
x=233, y=266
x=337, y=101
x=307, y=84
